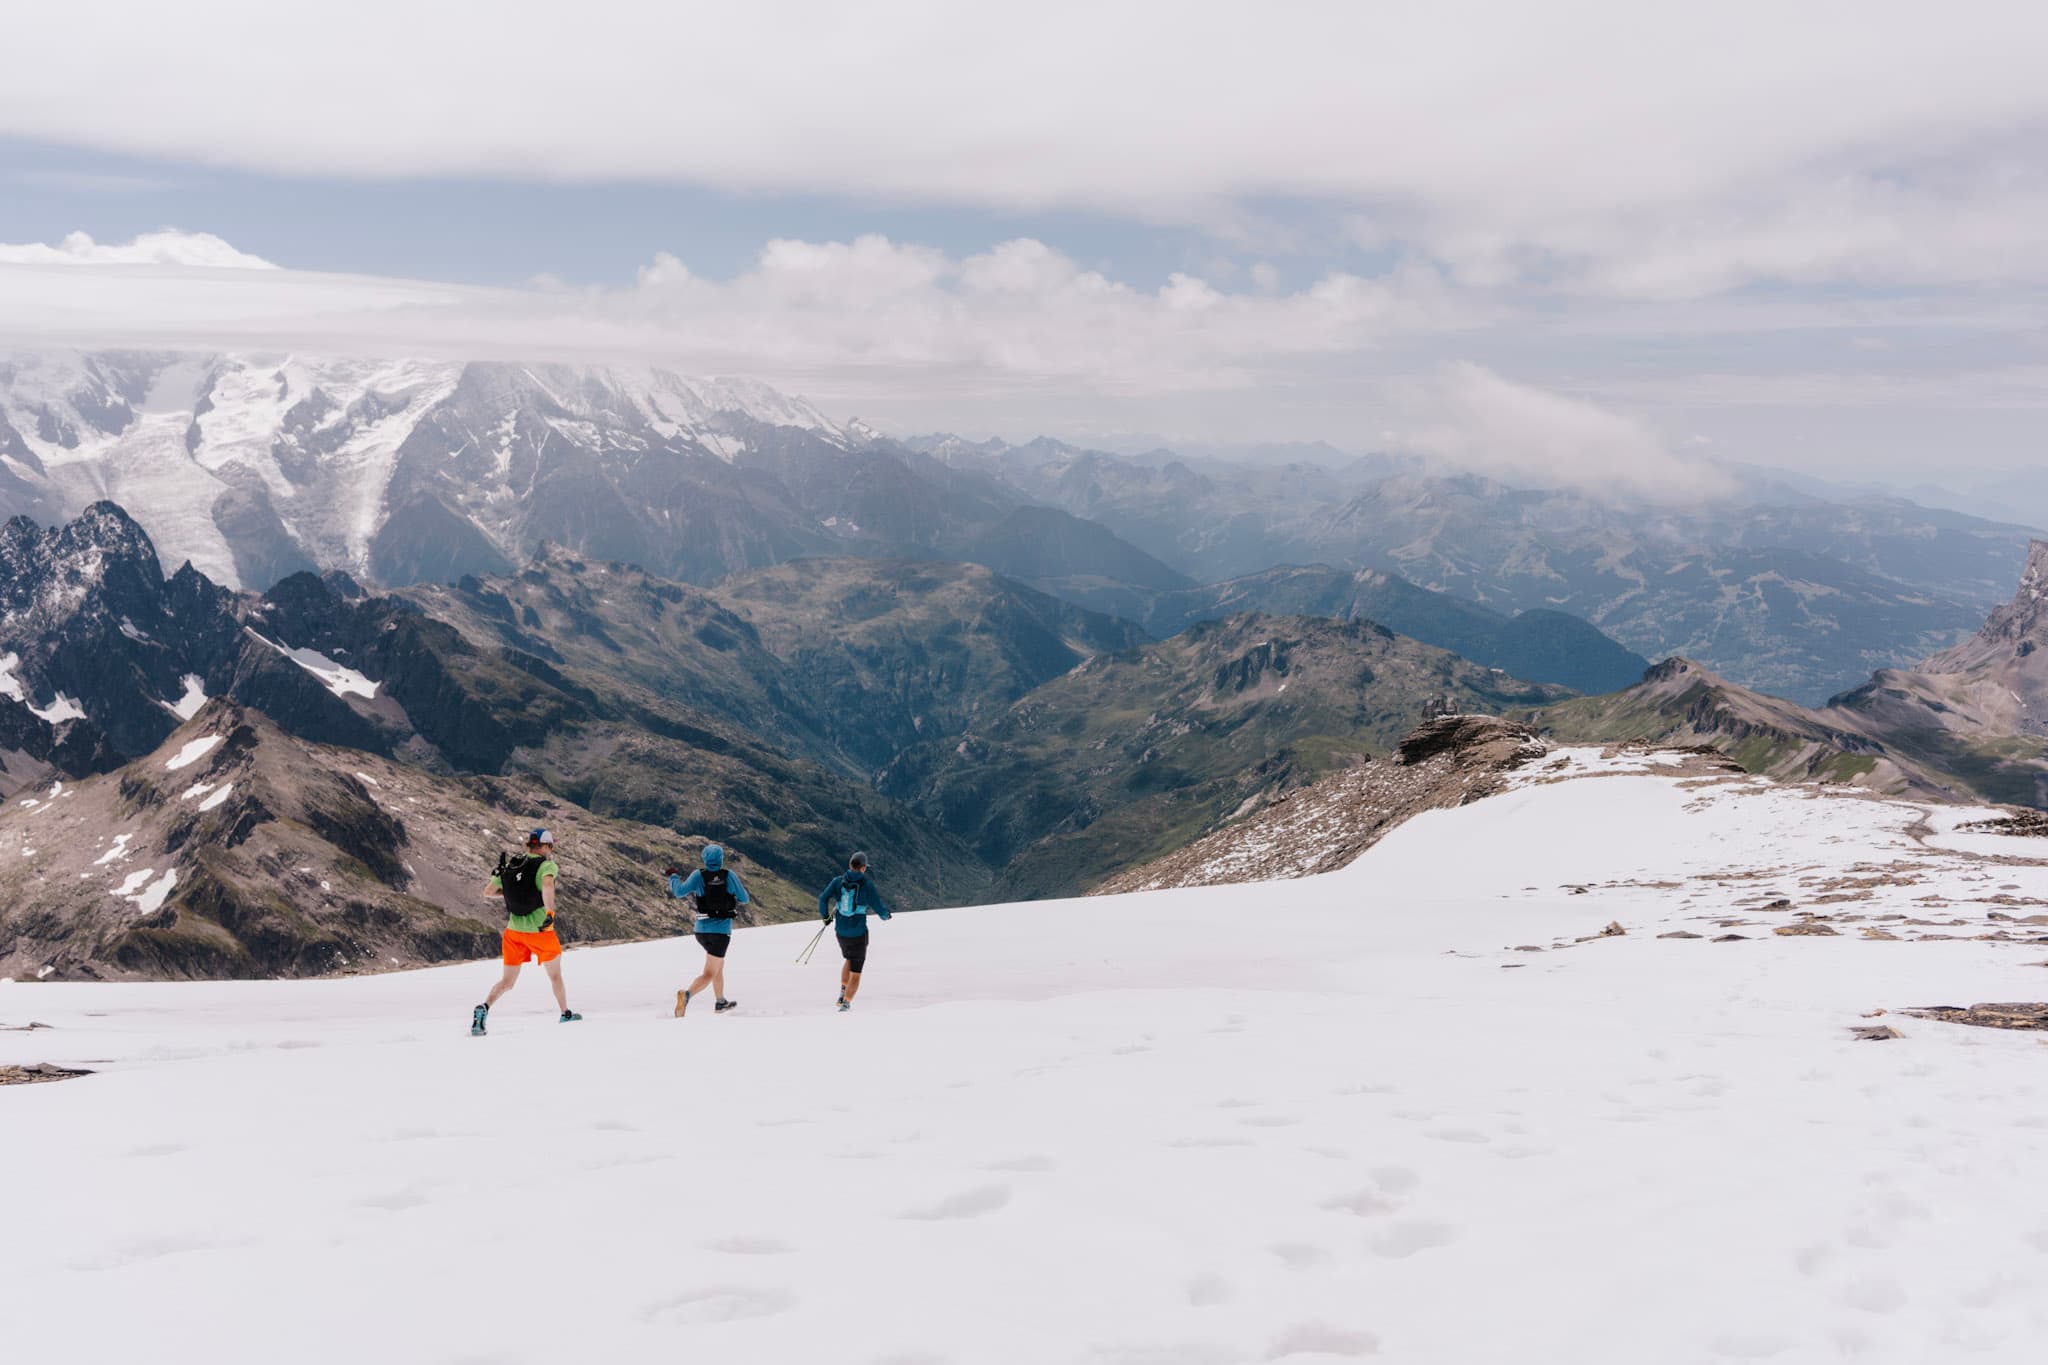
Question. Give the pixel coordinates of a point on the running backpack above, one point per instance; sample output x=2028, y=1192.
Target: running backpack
x=849, y=903
x=716, y=900
x=521, y=883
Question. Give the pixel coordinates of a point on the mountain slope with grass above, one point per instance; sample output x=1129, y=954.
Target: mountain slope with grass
x=1131, y=755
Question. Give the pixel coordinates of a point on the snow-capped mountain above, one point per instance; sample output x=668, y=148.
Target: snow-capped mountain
x=255, y=466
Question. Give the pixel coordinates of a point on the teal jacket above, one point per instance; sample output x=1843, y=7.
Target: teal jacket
x=853, y=921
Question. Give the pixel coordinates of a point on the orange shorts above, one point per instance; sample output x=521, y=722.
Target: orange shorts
x=521, y=948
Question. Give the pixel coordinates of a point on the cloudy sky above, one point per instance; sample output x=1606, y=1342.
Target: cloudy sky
x=1608, y=242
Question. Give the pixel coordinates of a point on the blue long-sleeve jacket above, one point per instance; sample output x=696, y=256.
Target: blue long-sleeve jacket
x=865, y=898
x=680, y=887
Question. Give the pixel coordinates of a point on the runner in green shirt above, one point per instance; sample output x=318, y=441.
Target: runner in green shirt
x=527, y=885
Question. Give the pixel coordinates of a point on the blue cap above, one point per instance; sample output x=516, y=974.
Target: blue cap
x=714, y=857
x=541, y=836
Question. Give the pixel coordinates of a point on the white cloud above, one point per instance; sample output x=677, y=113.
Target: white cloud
x=1469, y=418
x=1644, y=150
x=866, y=317
x=168, y=247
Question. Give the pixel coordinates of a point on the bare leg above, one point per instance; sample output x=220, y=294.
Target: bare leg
x=716, y=966
x=845, y=971
x=851, y=984
x=554, y=968
x=504, y=984
x=705, y=977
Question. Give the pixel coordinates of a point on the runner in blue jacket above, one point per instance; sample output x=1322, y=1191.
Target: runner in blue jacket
x=845, y=902
x=719, y=894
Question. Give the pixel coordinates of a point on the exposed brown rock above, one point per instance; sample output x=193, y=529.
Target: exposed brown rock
x=41, y=1071
x=1808, y=929
x=1449, y=761
x=1875, y=1033
x=2010, y=1016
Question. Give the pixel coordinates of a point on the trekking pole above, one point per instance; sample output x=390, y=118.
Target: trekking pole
x=805, y=955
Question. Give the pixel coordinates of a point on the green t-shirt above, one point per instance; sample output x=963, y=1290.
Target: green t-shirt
x=528, y=924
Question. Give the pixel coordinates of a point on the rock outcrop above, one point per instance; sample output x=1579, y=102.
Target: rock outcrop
x=1449, y=761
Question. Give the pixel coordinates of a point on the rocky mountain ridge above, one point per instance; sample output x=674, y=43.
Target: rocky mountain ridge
x=236, y=849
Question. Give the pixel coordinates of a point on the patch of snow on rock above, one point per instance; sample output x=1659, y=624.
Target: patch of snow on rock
x=153, y=896
x=62, y=709
x=341, y=680
x=214, y=800
x=187, y=706
x=193, y=751
x=133, y=882
x=118, y=851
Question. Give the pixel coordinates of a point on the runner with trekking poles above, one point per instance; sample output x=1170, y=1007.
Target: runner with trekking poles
x=844, y=904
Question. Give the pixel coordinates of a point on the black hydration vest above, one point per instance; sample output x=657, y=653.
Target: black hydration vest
x=521, y=883
x=716, y=900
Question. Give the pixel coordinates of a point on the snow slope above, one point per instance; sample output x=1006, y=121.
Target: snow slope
x=1334, y=1119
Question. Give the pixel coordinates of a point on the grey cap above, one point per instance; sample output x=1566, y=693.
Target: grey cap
x=857, y=860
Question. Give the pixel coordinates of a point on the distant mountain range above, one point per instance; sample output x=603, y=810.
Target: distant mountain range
x=1784, y=590
x=401, y=472
x=1970, y=721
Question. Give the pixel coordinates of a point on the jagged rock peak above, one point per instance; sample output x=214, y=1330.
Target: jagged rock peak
x=2026, y=616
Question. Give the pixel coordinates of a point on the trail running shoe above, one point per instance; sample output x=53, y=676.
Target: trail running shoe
x=682, y=1003
x=722, y=1006
x=569, y=1017
x=476, y=1020
x=844, y=1007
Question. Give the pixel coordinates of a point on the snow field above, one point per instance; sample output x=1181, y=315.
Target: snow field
x=1318, y=1121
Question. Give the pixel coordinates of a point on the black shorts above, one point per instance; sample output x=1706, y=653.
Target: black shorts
x=714, y=944
x=854, y=950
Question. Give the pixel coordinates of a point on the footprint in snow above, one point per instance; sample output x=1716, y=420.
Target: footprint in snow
x=728, y=1303
x=1028, y=1164
x=1403, y=1240
x=1396, y=1179
x=1873, y=1293
x=1472, y=1135
x=1269, y=1121
x=1301, y=1255
x=393, y=1201
x=972, y=1203
x=1362, y=1203
x=614, y=1126
x=1323, y=1339
x=157, y=1149
x=1206, y=1291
